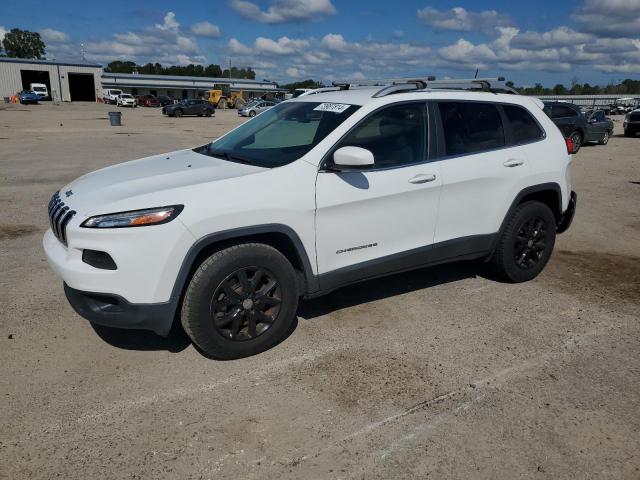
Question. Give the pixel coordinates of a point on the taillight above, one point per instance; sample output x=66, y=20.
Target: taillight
x=570, y=145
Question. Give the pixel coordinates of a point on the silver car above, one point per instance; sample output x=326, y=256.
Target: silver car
x=254, y=108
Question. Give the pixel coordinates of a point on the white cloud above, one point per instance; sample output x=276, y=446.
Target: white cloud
x=235, y=46
x=3, y=32
x=49, y=35
x=283, y=11
x=205, y=29
x=334, y=41
x=558, y=37
x=293, y=72
x=461, y=20
x=611, y=18
x=169, y=24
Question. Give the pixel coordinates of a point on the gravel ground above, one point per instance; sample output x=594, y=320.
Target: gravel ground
x=437, y=373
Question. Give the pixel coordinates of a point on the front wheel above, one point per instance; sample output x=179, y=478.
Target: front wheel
x=252, y=113
x=178, y=113
x=605, y=139
x=526, y=243
x=241, y=301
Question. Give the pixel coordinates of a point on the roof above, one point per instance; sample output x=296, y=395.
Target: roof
x=49, y=62
x=365, y=95
x=179, y=78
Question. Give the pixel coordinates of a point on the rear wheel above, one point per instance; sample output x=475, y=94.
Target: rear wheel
x=577, y=140
x=241, y=301
x=526, y=244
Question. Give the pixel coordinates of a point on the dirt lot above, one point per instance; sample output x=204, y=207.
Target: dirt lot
x=439, y=373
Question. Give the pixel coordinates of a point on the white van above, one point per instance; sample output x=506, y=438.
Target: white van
x=110, y=95
x=40, y=89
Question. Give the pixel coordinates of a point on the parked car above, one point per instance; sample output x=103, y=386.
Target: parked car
x=631, y=124
x=147, y=100
x=165, y=100
x=126, y=100
x=577, y=126
x=315, y=193
x=28, y=96
x=601, y=126
x=110, y=95
x=189, y=107
x=254, y=108
x=40, y=89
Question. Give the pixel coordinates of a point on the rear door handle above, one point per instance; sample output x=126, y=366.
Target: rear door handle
x=513, y=162
x=423, y=178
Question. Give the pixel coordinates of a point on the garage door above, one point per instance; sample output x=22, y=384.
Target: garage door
x=82, y=87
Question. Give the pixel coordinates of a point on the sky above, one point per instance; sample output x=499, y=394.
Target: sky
x=546, y=41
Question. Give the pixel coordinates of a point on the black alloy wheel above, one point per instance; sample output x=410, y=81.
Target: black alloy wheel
x=530, y=243
x=246, y=303
x=605, y=139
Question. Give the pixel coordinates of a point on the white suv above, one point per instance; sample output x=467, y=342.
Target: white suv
x=316, y=193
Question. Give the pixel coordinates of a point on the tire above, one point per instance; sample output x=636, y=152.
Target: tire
x=605, y=139
x=577, y=138
x=252, y=113
x=219, y=277
x=207, y=113
x=526, y=243
x=178, y=113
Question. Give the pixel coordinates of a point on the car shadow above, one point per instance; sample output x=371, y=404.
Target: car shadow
x=390, y=286
x=143, y=340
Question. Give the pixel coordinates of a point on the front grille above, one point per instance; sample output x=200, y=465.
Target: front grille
x=59, y=217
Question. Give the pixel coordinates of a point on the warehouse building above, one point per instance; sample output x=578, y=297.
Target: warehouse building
x=65, y=81
x=180, y=87
x=82, y=81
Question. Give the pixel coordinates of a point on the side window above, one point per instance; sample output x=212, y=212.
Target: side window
x=524, y=128
x=471, y=127
x=561, y=111
x=600, y=117
x=395, y=135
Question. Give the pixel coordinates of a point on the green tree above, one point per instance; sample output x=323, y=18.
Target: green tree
x=560, y=89
x=119, y=66
x=23, y=44
x=304, y=84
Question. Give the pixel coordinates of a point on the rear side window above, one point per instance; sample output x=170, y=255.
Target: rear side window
x=524, y=128
x=471, y=127
x=561, y=111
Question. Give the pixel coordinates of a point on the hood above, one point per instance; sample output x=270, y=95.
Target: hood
x=95, y=191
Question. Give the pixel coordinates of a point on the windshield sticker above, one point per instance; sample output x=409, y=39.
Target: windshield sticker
x=332, y=107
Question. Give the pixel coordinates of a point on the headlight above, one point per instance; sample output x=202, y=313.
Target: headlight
x=134, y=218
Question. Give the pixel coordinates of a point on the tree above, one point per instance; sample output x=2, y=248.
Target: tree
x=560, y=89
x=23, y=44
x=304, y=84
x=119, y=66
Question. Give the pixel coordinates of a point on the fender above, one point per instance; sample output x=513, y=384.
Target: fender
x=207, y=240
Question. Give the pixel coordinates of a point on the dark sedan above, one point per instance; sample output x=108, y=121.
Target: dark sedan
x=577, y=126
x=189, y=107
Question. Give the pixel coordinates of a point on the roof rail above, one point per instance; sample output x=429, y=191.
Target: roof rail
x=495, y=85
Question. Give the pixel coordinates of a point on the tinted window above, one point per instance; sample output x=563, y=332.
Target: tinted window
x=562, y=111
x=524, y=128
x=471, y=127
x=395, y=135
x=599, y=116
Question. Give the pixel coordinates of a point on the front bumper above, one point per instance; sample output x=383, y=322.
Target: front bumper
x=567, y=217
x=114, y=311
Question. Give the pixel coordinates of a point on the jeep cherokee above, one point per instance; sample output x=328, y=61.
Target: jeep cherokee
x=317, y=192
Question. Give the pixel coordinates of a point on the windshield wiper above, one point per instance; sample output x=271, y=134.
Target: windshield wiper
x=231, y=158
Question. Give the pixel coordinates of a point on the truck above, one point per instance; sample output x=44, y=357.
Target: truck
x=224, y=98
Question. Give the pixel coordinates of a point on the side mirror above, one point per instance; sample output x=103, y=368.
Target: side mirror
x=353, y=158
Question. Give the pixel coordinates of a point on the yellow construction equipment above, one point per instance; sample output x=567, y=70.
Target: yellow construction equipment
x=224, y=98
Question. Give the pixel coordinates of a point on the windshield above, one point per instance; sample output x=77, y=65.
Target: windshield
x=40, y=89
x=281, y=134
x=125, y=95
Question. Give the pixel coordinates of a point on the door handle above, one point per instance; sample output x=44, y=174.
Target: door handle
x=422, y=178
x=513, y=162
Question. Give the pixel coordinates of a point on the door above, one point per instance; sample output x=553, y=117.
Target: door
x=598, y=126
x=566, y=118
x=371, y=221
x=481, y=173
